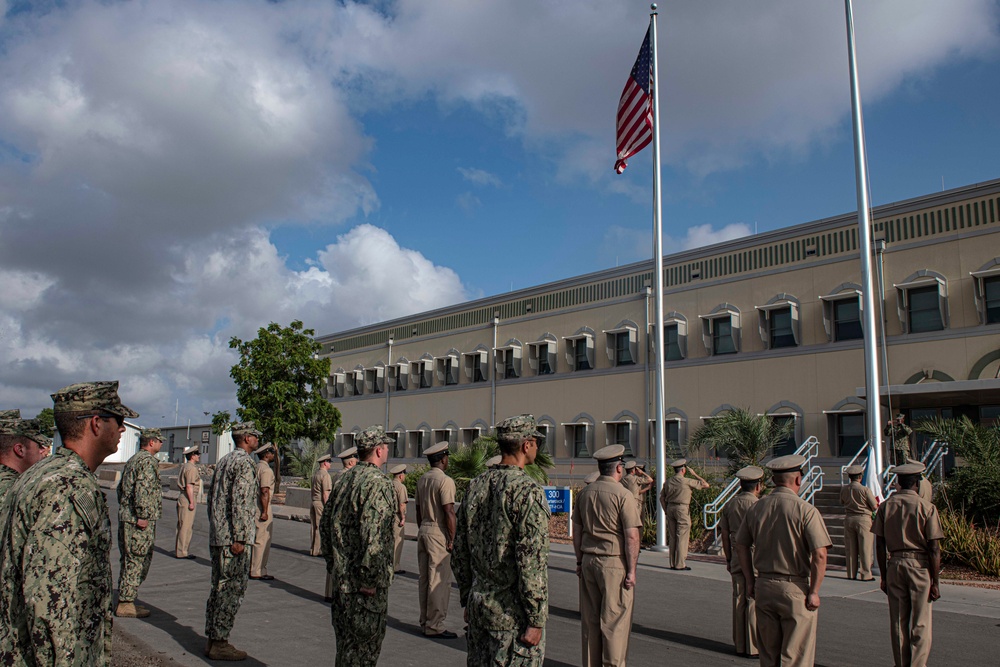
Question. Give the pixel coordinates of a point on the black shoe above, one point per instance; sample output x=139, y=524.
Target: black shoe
x=190, y=557
x=681, y=569
x=263, y=577
x=400, y=572
x=447, y=634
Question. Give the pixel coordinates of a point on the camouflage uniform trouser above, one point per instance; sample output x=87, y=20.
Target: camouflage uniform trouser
x=494, y=648
x=359, y=625
x=229, y=582
x=136, y=548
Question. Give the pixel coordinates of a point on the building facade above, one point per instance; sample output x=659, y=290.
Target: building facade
x=769, y=322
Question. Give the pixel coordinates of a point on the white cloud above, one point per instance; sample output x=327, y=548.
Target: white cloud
x=480, y=177
x=468, y=202
x=632, y=245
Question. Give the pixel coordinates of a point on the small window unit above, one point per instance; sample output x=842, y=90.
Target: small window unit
x=441, y=435
x=447, y=369
x=991, y=298
x=672, y=342
x=622, y=345
x=358, y=383
x=423, y=373
x=469, y=435
x=508, y=361
x=580, y=352
x=779, y=322
x=545, y=443
x=671, y=435
x=922, y=302
x=842, y=313
x=375, y=380
x=398, y=446
x=338, y=382
x=346, y=441
x=415, y=441
x=789, y=444
x=542, y=355
x=621, y=433
x=577, y=437
x=399, y=376
x=476, y=365
x=721, y=330
x=986, y=290
x=675, y=330
x=849, y=432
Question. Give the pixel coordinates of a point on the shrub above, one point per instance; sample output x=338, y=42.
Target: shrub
x=974, y=487
x=965, y=543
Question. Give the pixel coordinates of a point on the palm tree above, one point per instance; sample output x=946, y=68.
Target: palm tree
x=469, y=462
x=976, y=443
x=746, y=438
x=303, y=464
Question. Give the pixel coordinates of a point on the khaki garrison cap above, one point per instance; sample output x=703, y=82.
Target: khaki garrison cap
x=631, y=464
x=591, y=478
x=437, y=448
x=370, y=438
x=350, y=453
x=398, y=468
x=750, y=474
x=909, y=469
x=260, y=451
x=493, y=461
x=325, y=457
x=147, y=434
x=522, y=425
x=854, y=470
x=789, y=463
x=193, y=449
x=610, y=453
x=90, y=396
x=245, y=428
x=679, y=463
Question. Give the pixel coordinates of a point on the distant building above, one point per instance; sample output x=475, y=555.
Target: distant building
x=178, y=438
x=770, y=322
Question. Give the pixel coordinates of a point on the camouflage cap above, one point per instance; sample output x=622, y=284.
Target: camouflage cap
x=9, y=426
x=245, y=428
x=91, y=396
x=522, y=425
x=30, y=429
x=371, y=437
x=150, y=434
x=10, y=414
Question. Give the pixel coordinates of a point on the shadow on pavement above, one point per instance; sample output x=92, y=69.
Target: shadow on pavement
x=169, y=553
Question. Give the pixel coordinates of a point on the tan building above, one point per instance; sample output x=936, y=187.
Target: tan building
x=770, y=322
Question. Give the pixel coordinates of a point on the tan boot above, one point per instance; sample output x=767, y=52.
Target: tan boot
x=126, y=610
x=141, y=612
x=223, y=650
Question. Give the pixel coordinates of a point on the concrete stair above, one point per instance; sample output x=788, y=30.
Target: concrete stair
x=827, y=501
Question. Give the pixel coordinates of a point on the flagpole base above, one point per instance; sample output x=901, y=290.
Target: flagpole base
x=660, y=548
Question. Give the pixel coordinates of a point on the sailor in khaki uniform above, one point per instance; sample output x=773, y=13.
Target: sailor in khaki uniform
x=398, y=473
x=265, y=493
x=636, y=481
x=191, y=489
x=908, y=528
x=744, y=615
x=435, y=538
x=859, y=505
x=925, y=490
x=606, y=528
x=320, y=487
x=785, y=570
x=591, y=478
x=675, y=497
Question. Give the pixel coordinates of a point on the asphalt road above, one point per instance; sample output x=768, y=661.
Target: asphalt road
x=680, y=618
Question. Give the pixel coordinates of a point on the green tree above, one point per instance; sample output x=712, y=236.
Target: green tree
x=746, y=438
x=47, y=421
x=220, y=422
x=278, y=380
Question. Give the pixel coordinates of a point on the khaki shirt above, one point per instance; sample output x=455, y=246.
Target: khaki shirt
x=785, y=530
x=926, y=490
x=435, y=489
x=907, y=523
x=633, y=484
x=400, y=488
x=678, y=490
x=732, y=519
x=265, y=480
x=189, y=475
x=321, y=484
x=857, y=499
x=604, y=510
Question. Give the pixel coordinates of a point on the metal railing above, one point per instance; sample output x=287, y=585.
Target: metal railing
x=812, y=481
x=933, y=458
x=843, y=469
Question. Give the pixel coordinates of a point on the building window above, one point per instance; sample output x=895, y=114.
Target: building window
x=779, y=322
x=671, y=436
x=620, y=433
x=469, y=435
x=447, y=369
x=542, y=356
x=922, y=302
x=339, y=385
x=346, y=441
x=375, y=380
x=991, y=297
x=781, y=328
x=546, y=442
x=850, y=433
x=672, y=343
x=580, y=352
x=400, y=376
x=789, y=444
x=423, y=373
x=508, y=362
x=577, y=436
x=847, y=319
x=622, y=346
x=476, y=365
x=416, y=441
x=398, y=447
x=358, y=383
x=441, y=435
x=721, y=330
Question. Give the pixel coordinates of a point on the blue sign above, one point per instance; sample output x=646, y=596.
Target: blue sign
x=559, y=499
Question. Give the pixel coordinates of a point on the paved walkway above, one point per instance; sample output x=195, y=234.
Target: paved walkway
x=680, y=617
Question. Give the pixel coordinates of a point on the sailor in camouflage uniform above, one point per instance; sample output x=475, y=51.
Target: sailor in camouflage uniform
x=356, y=532
x=55, y=540
x=140, y=505
x=501, y=553
x=22, y=445
x=232, y=516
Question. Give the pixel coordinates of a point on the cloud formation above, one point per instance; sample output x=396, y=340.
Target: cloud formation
x=480, y=177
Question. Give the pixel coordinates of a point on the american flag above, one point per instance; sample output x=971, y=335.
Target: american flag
x=635, y=109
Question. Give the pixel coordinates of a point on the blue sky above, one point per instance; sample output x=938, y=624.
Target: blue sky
x=176, y=173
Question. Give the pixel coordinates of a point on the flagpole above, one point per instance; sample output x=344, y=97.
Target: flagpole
x=661, y=453
x=874, y=418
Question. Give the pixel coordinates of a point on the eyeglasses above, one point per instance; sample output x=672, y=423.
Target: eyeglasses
x=118, y=419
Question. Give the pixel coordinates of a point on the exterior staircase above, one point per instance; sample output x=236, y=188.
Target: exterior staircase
x=827, y=501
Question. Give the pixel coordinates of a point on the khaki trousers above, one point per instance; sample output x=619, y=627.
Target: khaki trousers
x=261, y=548
x=605, y=611
x=859, y=540
x=434, y=586
x=786, y=630
x=315, y=513
x=744, y=618
x=678, y=533
x=185, y=527
x=908, y=583
x=399, y=533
